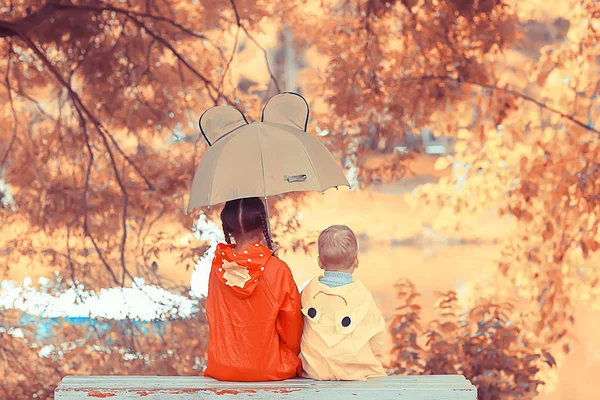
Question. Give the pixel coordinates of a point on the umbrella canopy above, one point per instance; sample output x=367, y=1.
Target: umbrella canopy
x=261, y=159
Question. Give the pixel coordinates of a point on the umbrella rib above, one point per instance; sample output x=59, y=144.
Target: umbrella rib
x=311, y=163
x=262, y=164
x=212, y=181
x=262, y=161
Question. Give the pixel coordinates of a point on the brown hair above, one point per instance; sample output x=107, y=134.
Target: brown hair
x=338, y=246
x=245, y=215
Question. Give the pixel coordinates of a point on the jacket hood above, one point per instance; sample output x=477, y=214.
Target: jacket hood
x=241, y=269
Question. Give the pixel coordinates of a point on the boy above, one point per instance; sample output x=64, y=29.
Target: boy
x=343, y=328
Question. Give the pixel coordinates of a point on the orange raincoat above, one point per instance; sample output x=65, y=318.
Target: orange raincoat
x=253, y=310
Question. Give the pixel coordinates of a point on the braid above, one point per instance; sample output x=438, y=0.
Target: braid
x=240, y=219
x=227, y=233
x=265, y=226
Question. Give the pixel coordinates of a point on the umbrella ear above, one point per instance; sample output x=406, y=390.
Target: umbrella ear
x=218, y=121
x=289, y=109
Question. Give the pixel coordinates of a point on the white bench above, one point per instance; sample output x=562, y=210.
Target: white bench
x=432, y=387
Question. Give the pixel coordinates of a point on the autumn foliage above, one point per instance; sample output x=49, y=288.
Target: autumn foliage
x=486, y=344
x=100, y=101
x=108, y=347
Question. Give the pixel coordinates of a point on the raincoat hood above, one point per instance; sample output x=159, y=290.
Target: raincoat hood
x=241, y=270
x=335, y=313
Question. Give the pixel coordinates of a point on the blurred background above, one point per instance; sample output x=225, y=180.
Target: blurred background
x=469, y=130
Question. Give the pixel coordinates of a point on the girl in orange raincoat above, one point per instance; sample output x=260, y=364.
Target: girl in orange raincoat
x=253, y=304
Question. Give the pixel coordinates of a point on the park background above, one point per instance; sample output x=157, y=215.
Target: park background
x=467, y=128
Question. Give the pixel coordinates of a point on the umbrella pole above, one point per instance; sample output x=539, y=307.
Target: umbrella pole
x=268, y=217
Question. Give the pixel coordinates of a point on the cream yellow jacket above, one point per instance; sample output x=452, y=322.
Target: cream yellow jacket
x=343, y=332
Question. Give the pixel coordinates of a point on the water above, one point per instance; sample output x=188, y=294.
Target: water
x=45, y=329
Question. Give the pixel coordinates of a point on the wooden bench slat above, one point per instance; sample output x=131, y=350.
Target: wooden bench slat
x=440, y=387
x=188, y=379
x=128, y=382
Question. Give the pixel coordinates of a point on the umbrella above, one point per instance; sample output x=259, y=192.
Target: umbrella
x=261, y=159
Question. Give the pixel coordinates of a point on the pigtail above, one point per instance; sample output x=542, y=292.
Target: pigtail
x=227, y=233
x=265, y=227
x=226, y=220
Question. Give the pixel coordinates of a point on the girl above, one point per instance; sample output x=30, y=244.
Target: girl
x=253, y=304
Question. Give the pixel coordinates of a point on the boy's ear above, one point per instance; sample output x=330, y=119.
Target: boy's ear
x=218, y=121
x=355, y=264
x=321, y=265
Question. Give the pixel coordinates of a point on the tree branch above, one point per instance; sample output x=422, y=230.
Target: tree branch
x=106, y=7
x=86, y=230
x=7, y=29
x=20, y=27
x=79, y=106
x=12, y=107
x=516, y=93
x=79, y=103
x=238, y=21
x=12, y=28
x=207, y=82
x=226, y=69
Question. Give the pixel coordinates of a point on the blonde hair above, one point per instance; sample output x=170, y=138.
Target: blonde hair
x=338, y=246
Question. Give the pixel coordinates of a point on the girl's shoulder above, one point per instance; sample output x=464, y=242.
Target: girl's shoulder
x=223, y=247
x=278, y=267
x=276, y=261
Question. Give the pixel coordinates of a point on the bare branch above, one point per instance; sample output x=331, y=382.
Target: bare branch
x=239, y=24
x=36, y=103
x=226, y=69
x=12, y=107
x=79, y=103
x=69, y=257
x=207, y=82
x=80, y=107
x=86, y=181
x=516, y=93
x=20, y=27
x=149, y=228
x=106, y=7
x=13, y=28
x=6, y=29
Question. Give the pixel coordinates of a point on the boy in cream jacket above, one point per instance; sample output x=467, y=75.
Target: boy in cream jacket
x=343, y=328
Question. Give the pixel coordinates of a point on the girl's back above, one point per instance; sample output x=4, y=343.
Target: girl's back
x=253, y=310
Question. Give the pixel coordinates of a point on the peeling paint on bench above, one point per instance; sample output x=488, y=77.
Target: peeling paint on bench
x=431, y=387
